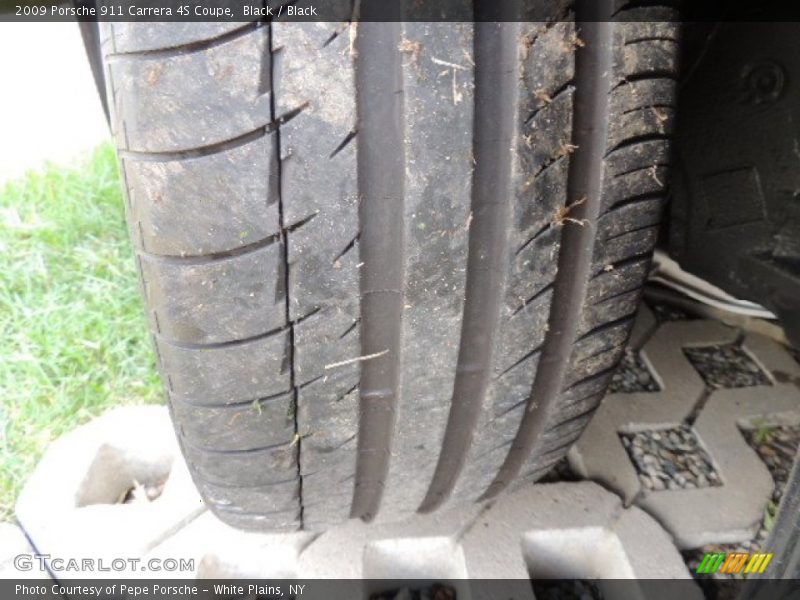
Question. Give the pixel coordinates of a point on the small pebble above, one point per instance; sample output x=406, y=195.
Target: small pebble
x=673, y=456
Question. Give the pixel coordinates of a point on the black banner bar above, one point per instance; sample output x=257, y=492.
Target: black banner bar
x=380, y=589
x=374, y=10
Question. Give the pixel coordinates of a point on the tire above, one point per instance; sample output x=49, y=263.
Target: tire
x=388, y=268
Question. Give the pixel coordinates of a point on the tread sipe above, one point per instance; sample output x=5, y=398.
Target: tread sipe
x=389, y=267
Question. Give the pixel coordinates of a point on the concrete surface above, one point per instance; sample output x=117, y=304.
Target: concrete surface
x=118, y=487
x=71, y=508
x=72, y=505
x=599, y=453
x=728, y=513
x=12, y=543
x=49, y=109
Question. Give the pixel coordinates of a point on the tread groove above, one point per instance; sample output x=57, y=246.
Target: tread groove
x=348, y=392
x=652, y=38
x=381, y=175
x=190, y=48
x=538, y=294
x=217, y=451
x=663, y=105
x=350, y=329
x=638, y=139
x=633, y=5
x=562, y=89
x=232, y=405
x=577, y=417
x=236, y=342
x=617, y=294
x=519, y=361
x=627, y=261
x=630, y=200
x=593, y=377
x=379, y=409
x=221, y=345
x=606, y=326
x=616, y=236
x=201, y=151
x=653, y=167
x=246, y=486
x=213, y=257
x=650, y=75
x=593, y=65
x=290, y=342
x=602, y=351
x=496, y=58
x=350, y=245
x=532, y=240
x=347, y=139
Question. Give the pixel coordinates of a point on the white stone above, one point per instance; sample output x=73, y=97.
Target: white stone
x=70, y=507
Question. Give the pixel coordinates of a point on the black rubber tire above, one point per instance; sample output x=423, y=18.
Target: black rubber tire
x=392, y=266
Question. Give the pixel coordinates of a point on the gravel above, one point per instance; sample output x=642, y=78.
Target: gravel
x=673, y=459
x=726, y=366
x=777, y=447
x=561, y=471
x=665, y=312
x=670, y=459
x=632, y=375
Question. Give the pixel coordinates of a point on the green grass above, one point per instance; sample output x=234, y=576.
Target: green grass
x=74, y=340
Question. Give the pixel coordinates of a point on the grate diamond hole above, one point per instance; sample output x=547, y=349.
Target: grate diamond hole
x=728, y=366
x=633, y=375
x=670, y=459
